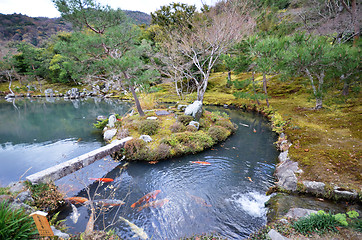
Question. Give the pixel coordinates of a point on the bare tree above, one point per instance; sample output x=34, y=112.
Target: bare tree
x=355, y=22
x=211, y=35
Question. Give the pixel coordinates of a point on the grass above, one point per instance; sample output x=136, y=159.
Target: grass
x=15, y=224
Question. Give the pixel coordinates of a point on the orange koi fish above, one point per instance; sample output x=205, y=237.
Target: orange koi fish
x=102, y=179
x=146, y=198
x=202, y=163
x=157, y=203
x=198, y=200
x=76, y=200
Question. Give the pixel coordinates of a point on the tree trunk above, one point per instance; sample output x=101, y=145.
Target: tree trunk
x=228, y=83
x=265, y=89
x=256, y=96
x=345, y=90
x=318, y=103
x=138, y=105
x=131, y=88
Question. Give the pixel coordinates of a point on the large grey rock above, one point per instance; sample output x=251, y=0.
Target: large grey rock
x=283, y=156
x=109, y=134
x=111, y=121
x=16, y=187
x=59, y=233
x=24, y=197
x=146, y=138
x=162, y=113
x=274, y=235
x=296, y=213
x=316, y=188
x=194, y=109
x=285, y=173
x=195, y=124
x=18, y=205
x=345, y=193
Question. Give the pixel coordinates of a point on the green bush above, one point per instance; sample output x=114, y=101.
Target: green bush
x=177, y=127
x=101, y=124
x=218, y=133
x=148, y=127
x=15, y=224
x=185, y=119
x=320, y=223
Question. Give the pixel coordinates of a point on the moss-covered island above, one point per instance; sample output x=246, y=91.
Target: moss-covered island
x=164, y=133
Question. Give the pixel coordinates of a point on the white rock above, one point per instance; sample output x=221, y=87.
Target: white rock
x=194, y=109
x=111, y=120
x=195, y=124
x=152, y=118
x=109, y=134
x=146, y=138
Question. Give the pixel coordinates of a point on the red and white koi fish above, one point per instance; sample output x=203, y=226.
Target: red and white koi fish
x=76, y=200
x=106, y=202
x=102, y=179
x=146, y=198
x=157, y=203
x=201, y=162
x=198, y=200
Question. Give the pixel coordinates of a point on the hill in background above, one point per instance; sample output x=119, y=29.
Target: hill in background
x=18, y=27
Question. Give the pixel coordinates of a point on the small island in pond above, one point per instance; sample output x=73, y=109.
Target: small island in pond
x=164, y=133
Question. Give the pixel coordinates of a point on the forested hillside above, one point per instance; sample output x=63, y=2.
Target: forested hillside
x=18, y=27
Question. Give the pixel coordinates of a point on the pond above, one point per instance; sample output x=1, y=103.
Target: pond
x=225, y=197
x=39, y=133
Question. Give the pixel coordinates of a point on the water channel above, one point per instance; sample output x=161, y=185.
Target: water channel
x=233, y=187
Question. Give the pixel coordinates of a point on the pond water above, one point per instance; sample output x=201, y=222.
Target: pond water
x=38, y=133
x=226, y=197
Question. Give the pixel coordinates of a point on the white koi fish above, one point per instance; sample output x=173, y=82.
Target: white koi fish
x=75, y=214
x=139, y=232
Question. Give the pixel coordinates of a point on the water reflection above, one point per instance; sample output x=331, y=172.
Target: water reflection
x=36, y=133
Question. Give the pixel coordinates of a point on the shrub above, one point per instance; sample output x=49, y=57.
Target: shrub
x=319, y=223
x=191, y=128
x=148, y=127
x=136, y=149
x=122, y=133
x=177, y=127
x=101, y=124
x=218, y=133
x=185, y=119
x=15, y=224
x=227, y=124
x=46, y=196
x=162, y=152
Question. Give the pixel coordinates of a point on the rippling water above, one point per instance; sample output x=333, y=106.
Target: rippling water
x=226, y=197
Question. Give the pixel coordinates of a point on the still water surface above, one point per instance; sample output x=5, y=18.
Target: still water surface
x=38, y=133
x=233, y=187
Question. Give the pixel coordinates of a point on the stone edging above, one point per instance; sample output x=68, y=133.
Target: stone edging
x=286, y=173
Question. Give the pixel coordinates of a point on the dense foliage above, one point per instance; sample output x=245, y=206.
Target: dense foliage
x=15, y=223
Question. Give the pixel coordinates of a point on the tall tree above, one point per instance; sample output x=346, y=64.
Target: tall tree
x=111, y=42
x=312, y=56
x=211, y=35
